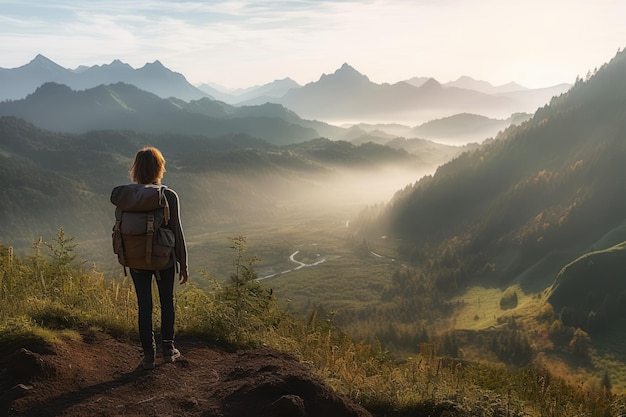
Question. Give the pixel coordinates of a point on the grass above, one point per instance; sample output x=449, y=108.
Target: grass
x=482, y=307
x=608, y=357
x=240, y=311
x=346, y=280
x=481, y=311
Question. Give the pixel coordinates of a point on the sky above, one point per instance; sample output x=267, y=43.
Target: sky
x=243, y=43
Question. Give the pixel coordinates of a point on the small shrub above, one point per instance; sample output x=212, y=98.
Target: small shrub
x=508, y=300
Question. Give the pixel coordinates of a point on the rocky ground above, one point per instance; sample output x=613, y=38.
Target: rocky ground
x=102, y=377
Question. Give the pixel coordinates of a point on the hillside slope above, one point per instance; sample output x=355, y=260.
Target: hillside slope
x=590, y=291
x=497, y=224
x=554, y=183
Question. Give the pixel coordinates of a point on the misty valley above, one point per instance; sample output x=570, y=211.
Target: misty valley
x=469, y=239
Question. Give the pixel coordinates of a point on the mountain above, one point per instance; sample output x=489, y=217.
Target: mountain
x=274, y=89
x=483, y=86
x=519, y=208
x=464, y=128
x=343, y=96
x=429, y=150
x=121, y=106
x=395, y=129
x=593, y=308
x=331, y=95
x=417, y=81
x=124, y=107
x=153, y=77
x=17, y=83
x=356, y=135
x=349, y=95
x=536, y=97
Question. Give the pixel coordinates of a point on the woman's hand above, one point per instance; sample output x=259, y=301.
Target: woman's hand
x=184, y=276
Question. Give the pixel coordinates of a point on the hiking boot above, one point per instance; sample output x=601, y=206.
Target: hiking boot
x=148, y=362
x=170, y=353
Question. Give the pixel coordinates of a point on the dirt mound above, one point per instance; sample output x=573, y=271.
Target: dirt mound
x=100, y=376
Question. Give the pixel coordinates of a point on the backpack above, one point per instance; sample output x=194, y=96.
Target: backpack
x=141, y=238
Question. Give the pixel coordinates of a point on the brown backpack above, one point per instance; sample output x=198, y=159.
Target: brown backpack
x=141, y=238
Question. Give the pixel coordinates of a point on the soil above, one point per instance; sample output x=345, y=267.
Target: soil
x=101, y=376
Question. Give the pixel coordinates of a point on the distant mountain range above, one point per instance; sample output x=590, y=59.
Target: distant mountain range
x=349, y=95
x=125, y=107
x=345, y=95
x=469, y=83
x=120, y=106
x=17, y=83
x=270, y=91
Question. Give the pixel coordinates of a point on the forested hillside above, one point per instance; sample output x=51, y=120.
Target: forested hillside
x=519, y=208
x=554, y=183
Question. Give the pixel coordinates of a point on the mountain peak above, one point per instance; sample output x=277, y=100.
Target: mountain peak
x=465, y=78
x=348, y=69
x=417, y=81
x=42, y=61
x=117, y=62
x=157, y=64
x=431, y=84
x=345, y=73
x=156, y=67
x=40, y=58
x=470, y=83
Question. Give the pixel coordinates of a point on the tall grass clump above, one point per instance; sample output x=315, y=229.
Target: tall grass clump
x=236, y=311
x=51, y=289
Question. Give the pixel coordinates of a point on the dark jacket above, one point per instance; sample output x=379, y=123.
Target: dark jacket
x=180, y=249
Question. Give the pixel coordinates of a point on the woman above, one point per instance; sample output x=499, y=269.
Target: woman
x=148, y=167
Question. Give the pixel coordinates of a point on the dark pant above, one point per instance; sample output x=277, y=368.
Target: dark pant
x=143, y=288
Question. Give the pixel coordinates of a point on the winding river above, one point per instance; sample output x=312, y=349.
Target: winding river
x=292, y=258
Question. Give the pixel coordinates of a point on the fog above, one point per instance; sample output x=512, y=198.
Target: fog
x=357, y=188
x=257, y=197
x=278, y=212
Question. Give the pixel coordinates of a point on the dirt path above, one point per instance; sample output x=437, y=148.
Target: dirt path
x=101, y=377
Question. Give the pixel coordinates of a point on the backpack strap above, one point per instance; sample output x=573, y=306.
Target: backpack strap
x=165, y=204
x=166, y=221
x=116, y=229
x=166, y=213
x=149, y=237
